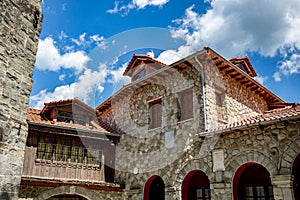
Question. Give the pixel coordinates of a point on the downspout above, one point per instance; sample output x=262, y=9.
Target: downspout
x=203, y=92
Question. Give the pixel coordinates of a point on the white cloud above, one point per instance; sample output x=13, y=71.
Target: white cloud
x=62, y=77
x=261, y=79
x=277, y=76
x=115, y=9
x=138, y=4
x=151, y=54
x=233, y=27
x=87, y=84
x=49, y=58
x=143, y=3
x=289, y=66
x=80, y=41
x=117, y=77
x=96, y=38
x=170, y=56
x=62, y=35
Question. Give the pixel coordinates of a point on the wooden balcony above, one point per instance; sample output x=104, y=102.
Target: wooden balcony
x=43, y=168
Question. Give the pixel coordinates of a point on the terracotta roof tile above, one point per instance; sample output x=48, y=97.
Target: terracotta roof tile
x=292, y=110
x=34, y=115
x=136, y=57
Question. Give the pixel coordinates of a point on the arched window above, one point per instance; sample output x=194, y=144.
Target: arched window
x=154, y=188
x=296, y=174
x=195, y=186
x=252, y=181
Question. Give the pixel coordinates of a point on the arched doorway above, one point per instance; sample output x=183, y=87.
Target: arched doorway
x=67, y=197
x=252, y=181
x=296, y=174
x=154, y=189
x=195, y=186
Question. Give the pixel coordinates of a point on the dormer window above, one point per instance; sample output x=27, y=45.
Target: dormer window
x=69, y=117
x=142, y=65
x=139, y=75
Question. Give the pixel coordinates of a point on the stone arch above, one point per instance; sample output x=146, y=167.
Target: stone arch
x=189, y=166
x=289, y=155
x=154, y=188
x=64, y=190
x=238, y=160
x=195, y=181
x=246, y=184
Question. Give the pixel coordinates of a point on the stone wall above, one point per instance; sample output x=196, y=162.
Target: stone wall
x=144, y=150
x=41, y=193
x=239, y=102
x=20, y=26
x=274, y=146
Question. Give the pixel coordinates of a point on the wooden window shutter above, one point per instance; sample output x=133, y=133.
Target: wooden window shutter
x=155, y=113
x=186, y=104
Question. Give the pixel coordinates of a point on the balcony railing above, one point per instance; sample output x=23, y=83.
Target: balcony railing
x=64, y=165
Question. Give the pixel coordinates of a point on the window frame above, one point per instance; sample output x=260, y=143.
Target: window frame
x=184, y=106
x=155, y=117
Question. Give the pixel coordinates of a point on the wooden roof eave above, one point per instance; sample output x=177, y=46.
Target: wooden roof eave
x=247, y=79
x=73, y=129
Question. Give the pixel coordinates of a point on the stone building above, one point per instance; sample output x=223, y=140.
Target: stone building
x=202, y=128
x=69, y=155
x=20, y=26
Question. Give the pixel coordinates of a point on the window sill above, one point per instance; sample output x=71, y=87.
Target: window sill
x=186, y=120
x=154, y=129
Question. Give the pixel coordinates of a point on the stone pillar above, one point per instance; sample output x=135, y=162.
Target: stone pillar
x=20, y=26
x=171, y=193
x=221, y=191
x=283, y=187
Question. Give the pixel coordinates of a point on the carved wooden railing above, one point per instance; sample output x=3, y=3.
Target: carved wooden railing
x=62, y=169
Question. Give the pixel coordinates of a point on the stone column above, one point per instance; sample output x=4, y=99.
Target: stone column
x=283, y=187
x=20, y=26
x=221, y=191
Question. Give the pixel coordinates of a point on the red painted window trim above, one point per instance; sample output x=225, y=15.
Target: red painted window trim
x=147, y=186
x=237, y=176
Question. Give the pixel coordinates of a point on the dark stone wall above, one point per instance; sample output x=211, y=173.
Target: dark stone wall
x=20, y=26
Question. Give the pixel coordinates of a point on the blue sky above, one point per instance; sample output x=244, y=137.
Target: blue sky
x=85, y=46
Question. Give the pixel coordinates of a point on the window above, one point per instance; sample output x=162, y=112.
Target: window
x=220, y=98
x=41, y=149
x=155, y=113
x=69, y=117
x=68, y=153
x=186, y=104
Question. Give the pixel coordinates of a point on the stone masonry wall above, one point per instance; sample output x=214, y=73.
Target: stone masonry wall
x=41, y=193
x=274, y=146
x=143, y=150
x=239, y=102
x=20, y=26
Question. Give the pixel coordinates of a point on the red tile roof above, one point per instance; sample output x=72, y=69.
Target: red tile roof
x=140, y=57
x=291, y=111
x=66, y=102
x=35, y=116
